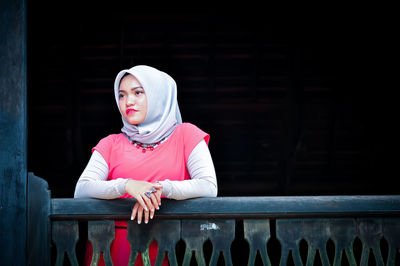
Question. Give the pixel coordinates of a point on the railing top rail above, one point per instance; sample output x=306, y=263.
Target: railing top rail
x=233, y=207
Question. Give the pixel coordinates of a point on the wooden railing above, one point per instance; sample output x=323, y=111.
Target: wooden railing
x=327, y=230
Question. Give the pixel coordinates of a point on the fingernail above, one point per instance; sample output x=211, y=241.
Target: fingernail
x=131, y=218
x=146, y=222
x=151, y=216
x=158, y=208
x=139, y=222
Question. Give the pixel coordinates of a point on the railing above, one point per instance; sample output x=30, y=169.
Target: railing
x=327, y=230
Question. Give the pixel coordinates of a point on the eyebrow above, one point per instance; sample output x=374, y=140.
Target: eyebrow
x=138, y=87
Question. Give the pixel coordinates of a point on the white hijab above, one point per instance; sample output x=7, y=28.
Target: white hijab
x=163, y=113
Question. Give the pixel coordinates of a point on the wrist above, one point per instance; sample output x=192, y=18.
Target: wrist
x=166, y=188
x=128, y=183
x=121, y=187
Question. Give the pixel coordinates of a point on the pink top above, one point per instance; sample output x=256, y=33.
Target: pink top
x=166, y=161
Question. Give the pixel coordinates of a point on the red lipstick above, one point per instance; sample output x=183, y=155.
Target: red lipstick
x=131, y=111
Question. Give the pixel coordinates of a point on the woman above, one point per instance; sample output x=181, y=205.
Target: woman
x=155, y=156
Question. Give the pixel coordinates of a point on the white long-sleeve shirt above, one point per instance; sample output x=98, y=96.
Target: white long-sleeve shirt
x=93, y=181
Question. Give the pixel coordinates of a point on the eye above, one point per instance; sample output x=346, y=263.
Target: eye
x=138, y=92
x=120, y=96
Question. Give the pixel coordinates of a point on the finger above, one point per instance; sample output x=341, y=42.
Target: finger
x=146, y=216
x=147, y=201
x=141, y=201
x=155, y=206
x=140, y=214
x=154, y=201
x=134, y=211
x=158, y=195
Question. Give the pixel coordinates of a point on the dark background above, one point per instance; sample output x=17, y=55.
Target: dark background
x=295, y=103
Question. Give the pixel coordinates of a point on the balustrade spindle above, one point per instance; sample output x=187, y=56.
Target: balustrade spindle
x=196, y=232
x=257, y=233
x=391, y=231
x=140, y=238
x=289, y=235
x=221, y=238
x=316, y=232
x=343, y=232
x=194, y=239
x=167, y=235
x=165, y=232
x=370, y=232
x=101, y=234
x=65, y=235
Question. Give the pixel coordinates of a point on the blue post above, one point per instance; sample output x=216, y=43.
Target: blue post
x=13, y=133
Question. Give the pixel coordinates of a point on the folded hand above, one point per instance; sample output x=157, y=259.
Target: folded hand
x=148, y=196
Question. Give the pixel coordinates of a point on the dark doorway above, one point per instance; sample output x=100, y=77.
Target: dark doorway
x=286, y=99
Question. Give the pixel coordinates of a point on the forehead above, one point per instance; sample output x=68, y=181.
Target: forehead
x=129, y=81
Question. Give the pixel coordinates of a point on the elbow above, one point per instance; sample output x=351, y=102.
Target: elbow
x=79, y=192
x=76, y=193
x=213, y=188
x=213, y=192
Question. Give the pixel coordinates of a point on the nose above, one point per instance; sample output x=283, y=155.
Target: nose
x=130, y=100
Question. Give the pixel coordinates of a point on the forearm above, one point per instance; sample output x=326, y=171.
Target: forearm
x=100, y=189
x=93, y=182
x=193, y=188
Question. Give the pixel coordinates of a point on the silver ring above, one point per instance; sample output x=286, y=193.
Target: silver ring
x=153, y=190
x=148, y=194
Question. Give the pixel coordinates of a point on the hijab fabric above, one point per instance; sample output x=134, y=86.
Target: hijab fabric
x=163, y=113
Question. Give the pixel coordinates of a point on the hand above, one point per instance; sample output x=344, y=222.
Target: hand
x=144, y=204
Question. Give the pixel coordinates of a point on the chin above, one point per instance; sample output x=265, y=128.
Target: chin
x=134, y=123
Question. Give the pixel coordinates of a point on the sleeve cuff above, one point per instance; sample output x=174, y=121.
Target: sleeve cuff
x=167, y=187
x=121, y=186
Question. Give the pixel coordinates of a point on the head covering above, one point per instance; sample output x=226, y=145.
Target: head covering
x=163, y=113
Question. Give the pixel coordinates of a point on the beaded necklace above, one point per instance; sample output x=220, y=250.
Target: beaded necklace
x=145, y=146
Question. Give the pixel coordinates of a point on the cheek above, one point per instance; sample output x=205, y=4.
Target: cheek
x=144, y=103
x=122, y=108
x=121, y=104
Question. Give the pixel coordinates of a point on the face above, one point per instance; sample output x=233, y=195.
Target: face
x=132, y=100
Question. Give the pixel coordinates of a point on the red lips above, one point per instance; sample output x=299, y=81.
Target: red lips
x=131, y=111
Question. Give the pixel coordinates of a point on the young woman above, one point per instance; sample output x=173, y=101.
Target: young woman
x=155, y=155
